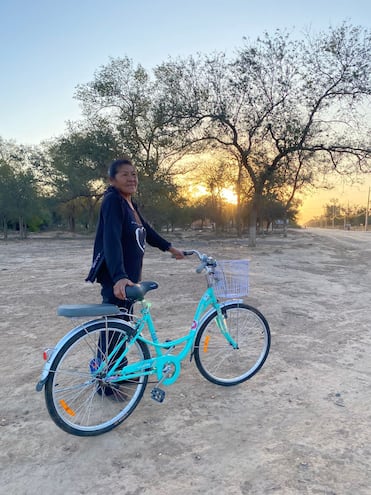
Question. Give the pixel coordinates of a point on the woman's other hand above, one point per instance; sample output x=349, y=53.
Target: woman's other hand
x=120, y=286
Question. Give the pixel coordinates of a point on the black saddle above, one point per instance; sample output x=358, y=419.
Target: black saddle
x=133, y=293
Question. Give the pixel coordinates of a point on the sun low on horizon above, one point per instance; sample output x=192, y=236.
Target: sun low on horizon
x=312, y=203
x=227, y=194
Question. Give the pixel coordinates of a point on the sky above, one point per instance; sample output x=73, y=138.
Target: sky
x=48, y=47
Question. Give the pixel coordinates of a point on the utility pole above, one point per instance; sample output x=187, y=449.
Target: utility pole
x=367, y=209
x=345, y=217
x=333, y=215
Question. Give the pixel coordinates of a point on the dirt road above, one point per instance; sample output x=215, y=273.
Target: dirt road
x=300, y=426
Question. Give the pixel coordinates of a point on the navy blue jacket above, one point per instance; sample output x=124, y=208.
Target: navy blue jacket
x=120, y=241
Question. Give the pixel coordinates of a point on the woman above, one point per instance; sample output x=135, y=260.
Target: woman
x=121, y=236
x=119, y=248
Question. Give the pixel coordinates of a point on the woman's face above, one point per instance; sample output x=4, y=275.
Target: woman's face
x=126, y=180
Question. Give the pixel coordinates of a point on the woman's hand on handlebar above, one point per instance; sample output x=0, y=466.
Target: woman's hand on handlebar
x=176, y=253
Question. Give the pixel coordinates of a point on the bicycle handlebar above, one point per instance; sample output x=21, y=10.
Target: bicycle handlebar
x=204, y=258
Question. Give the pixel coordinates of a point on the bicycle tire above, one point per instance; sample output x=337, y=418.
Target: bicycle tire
x=217, y=360
x=79, y=401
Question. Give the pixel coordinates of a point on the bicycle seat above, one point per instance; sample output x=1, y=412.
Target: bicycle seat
x=81, y=310
x=138, y=291
x=134, y=293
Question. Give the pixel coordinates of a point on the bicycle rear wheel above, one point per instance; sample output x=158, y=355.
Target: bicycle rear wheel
x=218, y=360
x=82, y=401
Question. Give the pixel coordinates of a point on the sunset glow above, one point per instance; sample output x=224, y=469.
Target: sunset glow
x=226, y=194
x=229, y=196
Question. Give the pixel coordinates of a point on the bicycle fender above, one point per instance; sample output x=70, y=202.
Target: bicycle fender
x=210, y=312
x=51, y=358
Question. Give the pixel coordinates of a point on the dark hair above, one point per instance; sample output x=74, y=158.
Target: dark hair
x=114, y=167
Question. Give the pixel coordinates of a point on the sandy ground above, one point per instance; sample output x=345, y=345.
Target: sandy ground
x=300, y=426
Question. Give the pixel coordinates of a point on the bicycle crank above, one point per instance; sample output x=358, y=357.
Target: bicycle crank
x=168, y=371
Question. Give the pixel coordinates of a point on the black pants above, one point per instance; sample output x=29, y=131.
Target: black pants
x=108, y=340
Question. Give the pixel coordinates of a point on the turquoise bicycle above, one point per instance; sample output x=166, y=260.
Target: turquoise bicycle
x=96, y=375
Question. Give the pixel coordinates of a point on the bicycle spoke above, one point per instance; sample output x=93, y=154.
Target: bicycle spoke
x=226, y=364
x=81, y=398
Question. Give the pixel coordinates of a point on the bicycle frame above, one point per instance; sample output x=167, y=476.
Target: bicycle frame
x=166, y=366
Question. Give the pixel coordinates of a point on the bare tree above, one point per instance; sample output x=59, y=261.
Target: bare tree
x=284, y=108
x=127, y=99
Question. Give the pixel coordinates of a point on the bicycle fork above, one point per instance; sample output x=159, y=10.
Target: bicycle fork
x=221, y=321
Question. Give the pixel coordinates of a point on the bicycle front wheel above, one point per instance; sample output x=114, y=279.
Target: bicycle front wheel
x=235, y=357
x=80, y=397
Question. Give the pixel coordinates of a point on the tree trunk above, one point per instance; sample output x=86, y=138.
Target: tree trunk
x=252, y=225
x=21, y=227
x=285, y=224
x=5, y=228
x=72, y=223
x=238, y=205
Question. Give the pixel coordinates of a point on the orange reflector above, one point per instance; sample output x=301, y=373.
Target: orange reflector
x=66, y=407
x=206, y=342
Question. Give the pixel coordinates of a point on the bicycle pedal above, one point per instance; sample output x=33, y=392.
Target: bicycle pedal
x=157, y=394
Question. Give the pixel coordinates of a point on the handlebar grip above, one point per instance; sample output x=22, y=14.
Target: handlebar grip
x=185, y=253
x=200, y=267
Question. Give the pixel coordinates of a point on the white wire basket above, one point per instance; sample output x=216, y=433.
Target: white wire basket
x=231, y=278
